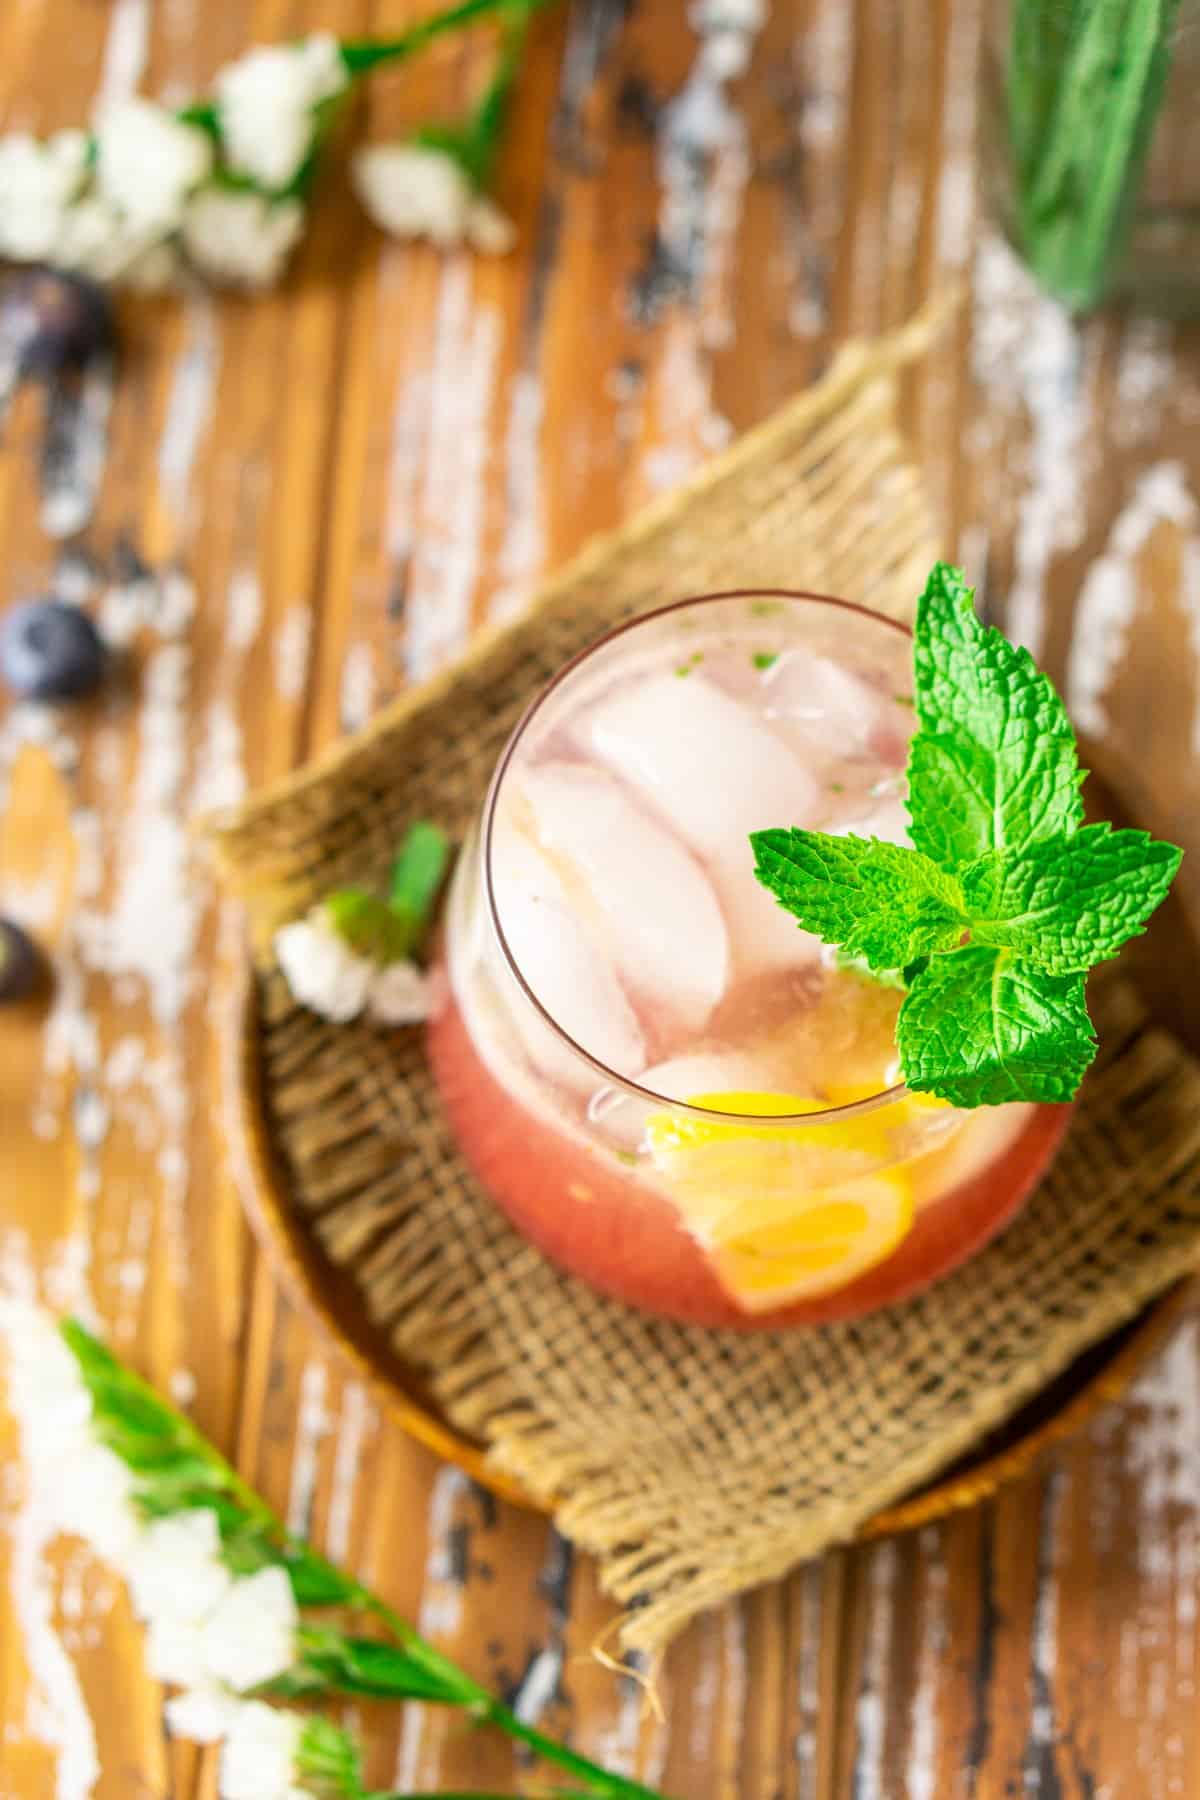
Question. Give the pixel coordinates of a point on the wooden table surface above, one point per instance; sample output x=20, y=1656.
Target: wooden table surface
x=308, y=499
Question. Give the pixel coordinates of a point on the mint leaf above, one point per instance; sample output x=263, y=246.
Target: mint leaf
x=418, y=873
x=981, y=1026
x=877, y=900
x=369, y=925
x=1069, y=901
x=992, y=764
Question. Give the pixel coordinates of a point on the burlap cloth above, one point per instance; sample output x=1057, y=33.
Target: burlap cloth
x=693, y=1463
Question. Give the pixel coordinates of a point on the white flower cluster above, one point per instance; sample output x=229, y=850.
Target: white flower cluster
x=208, y=1631
x=415, y=191
x=330, y=978
x=147, y=195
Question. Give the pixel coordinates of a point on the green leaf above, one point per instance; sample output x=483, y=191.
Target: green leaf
x=992, y=764
x=981, y=1026
x=369, y=925
x=1067, y=902
x=418, y=874
x=334, y=1662
x=876, y=900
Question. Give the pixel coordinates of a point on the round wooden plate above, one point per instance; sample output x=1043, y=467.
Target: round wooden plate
x=331, y=1298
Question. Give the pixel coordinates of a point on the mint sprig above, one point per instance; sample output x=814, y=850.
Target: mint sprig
x=1006, y=900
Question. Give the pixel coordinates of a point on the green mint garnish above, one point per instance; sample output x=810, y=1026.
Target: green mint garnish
x=1006, y=899
x=765, y=659
x=390, y=930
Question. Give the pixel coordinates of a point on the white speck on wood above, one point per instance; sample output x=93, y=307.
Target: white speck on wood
x=181, y=1385
x=451, y=508
x=189, y=406
x=539, y=1685
x=313, y=1425
x=357, y=1422
x=1108, y=599
x=356, y=693
x=243, y=611
x=1044, y=1635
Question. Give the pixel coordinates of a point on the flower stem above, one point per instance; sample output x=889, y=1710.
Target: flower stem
x=176, y=1467
x=360, y=55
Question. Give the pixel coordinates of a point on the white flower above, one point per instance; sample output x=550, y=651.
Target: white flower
x=176, y=1651
x=251, y=1636
x=204, y=1715
x=240, y=237
x=37, y=183
x=321, y=969
x=175, y=1572
x=399, y=995
x=258, y=1758
x=46, y=1390
x=415, y=191
x=94, y=1501
x=97, y=239
x=265, y=103
x=147, y=162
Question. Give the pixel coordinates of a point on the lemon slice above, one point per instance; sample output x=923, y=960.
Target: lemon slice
x=785, y=1211
x=822, y=1247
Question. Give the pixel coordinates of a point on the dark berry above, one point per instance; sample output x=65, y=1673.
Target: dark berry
x=50, y=651
x=20, y=963
x=50, y=320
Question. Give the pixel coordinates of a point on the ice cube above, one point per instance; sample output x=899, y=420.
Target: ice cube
x=818, y=703
x=714, y=773
x=644, y=895
x=563, y=966
x=701, y=759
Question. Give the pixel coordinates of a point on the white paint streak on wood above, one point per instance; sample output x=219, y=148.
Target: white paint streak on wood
x=703, y=170
x=1044, y=1632
x=1190, y=594
x=1027, y=352
x=439, y=1612
x=189, y=407
x=808, y=1681
x=126, y=49
x=870, y=1706
x=357, y=1423
x=523, y=546
x=1146, y=376
x=313, y=1425
x=451, y=508
x=56, y=1711
x=356, y=691
x=1108, y=600
x=293, y=642
x=1164, y=1466
x=921, y=1766
x=72, y=478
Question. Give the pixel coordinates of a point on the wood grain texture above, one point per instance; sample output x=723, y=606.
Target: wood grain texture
x=310, y=498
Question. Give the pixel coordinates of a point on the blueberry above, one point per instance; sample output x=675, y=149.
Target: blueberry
x=50, y=320
x=20, y=964
x=50, y=651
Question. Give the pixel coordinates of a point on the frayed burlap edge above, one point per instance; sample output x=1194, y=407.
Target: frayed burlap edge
x=693, y=1463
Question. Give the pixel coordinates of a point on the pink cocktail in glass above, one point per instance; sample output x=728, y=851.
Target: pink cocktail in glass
x=664, y=1082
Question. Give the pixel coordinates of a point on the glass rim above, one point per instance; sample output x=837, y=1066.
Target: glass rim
x=826, y=1115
